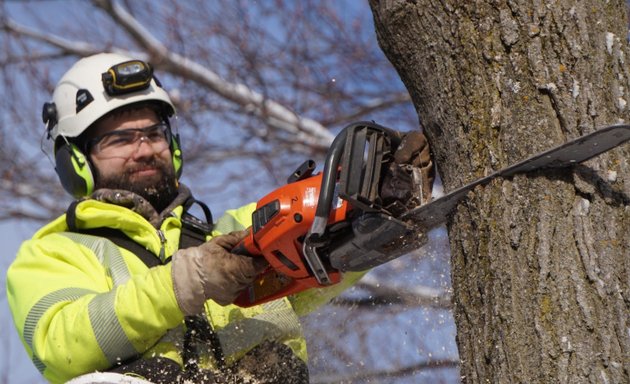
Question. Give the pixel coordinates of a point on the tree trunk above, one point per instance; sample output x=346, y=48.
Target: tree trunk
x=541, y=262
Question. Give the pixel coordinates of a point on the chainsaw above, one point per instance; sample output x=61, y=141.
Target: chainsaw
x=319, y=225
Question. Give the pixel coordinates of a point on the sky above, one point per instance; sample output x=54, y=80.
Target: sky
x=18, y=368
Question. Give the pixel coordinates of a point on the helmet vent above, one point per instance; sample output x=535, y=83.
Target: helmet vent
x=83, y=98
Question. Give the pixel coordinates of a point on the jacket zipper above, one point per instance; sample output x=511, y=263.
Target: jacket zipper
x=162, y=244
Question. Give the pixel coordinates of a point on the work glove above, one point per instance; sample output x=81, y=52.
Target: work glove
x=211, y=271
x=408, y=181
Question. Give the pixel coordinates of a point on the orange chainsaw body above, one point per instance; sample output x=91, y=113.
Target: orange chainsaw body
x=319, y=225
x=280, y=221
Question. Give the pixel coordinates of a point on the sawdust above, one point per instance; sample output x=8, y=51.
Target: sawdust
x=268, y=363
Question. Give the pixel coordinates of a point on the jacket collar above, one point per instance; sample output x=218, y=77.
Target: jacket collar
x=139, y=204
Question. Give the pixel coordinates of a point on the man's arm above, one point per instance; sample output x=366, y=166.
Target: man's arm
x=77, y=311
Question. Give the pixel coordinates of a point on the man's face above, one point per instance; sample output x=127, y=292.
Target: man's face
x=126, y=158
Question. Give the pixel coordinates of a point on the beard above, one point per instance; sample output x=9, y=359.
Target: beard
x=159, y=190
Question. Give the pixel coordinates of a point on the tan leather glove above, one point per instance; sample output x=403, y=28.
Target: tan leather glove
x=413, y=149
x=409, y=179
x=210, y=271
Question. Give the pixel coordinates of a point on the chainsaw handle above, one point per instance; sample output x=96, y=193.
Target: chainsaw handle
x=246, y=247
x=240, y=249
x=331, y=165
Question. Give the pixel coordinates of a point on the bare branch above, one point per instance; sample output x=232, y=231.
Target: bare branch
x=307, y=131
x=259, y=87
x=379, y=376
x=374, y=105
x=67, y=46
x=387, y=294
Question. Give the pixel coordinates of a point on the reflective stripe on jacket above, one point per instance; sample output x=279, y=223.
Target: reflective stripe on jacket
x=80, y=303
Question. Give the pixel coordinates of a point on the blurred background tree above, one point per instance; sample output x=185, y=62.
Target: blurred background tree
x=259, y=87
x=540, y=269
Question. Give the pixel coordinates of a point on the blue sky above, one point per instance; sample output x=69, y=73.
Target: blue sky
x=18, y=369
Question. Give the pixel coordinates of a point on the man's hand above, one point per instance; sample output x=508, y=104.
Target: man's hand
x=211, y=271
x=409, y=179
x=414, y=150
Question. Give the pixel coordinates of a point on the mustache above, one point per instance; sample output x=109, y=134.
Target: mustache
x=159, y=190
x=148, y=164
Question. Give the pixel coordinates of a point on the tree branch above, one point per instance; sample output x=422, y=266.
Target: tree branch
x=278, y=116
x=379, y=376
x=382, y=294
x=305, y=130
x=70, y=47
x=373, y=106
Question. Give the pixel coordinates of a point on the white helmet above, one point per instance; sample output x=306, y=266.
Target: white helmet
x=95, y=86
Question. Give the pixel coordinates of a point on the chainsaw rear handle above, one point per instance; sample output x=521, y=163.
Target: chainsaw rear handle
x=246, y=247
x=269, y=284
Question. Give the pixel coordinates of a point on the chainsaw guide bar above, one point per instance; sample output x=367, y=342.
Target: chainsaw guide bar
x=578, y=150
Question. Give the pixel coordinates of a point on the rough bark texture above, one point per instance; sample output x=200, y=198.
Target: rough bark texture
x=541, y=262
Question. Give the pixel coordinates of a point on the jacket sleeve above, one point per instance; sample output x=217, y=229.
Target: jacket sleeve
x=78, y=309
x=307, y=301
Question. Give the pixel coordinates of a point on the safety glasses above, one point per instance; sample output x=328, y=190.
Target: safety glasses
x=125, y=142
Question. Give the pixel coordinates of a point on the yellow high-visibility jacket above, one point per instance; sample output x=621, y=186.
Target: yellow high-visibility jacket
x=82, y=304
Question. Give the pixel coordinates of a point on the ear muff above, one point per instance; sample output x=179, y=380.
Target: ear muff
x=73, y=169
x=176, y=153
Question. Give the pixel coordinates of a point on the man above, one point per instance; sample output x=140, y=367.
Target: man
x=128, y=280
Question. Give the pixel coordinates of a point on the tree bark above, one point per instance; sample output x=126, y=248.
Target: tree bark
x=541, y=262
